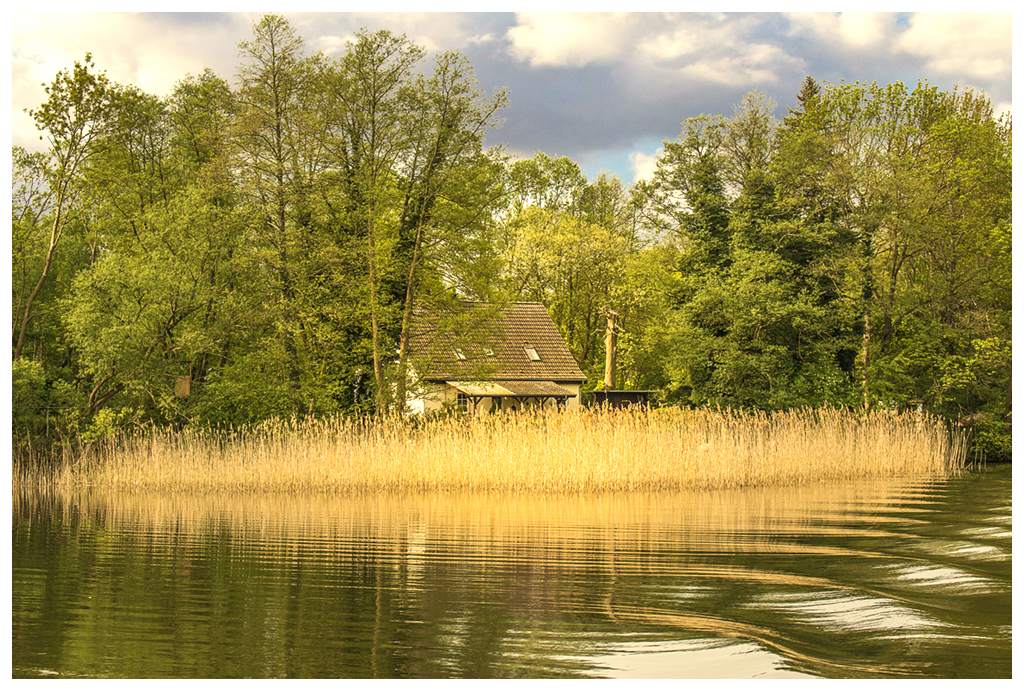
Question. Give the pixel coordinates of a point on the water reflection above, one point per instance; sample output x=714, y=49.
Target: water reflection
x=864, y=579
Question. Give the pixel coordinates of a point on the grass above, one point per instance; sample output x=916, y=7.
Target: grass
x=579, y=451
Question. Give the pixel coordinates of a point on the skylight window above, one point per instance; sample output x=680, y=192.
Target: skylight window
x=459, y=355
x=532, y=354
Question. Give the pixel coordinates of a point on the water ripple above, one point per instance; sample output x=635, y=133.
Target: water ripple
x=862, y=579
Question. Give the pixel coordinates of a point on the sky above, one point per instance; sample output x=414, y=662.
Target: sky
x=604, y=89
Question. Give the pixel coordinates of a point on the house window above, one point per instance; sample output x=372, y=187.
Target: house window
x=462, y=402
x=532, y=354
x=458, y=354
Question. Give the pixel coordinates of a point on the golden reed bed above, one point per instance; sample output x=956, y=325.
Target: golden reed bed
x=581, y=451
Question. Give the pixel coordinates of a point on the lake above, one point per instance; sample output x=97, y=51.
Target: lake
x=864, y=579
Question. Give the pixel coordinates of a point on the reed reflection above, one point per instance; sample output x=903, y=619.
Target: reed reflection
x=831, y=580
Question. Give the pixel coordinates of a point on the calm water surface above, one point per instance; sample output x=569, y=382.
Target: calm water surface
x=865, y=579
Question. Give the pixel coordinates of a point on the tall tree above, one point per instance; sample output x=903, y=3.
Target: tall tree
x=577, y=246
x=449, y=186
x=73, y=116
x=273, y=77
x=152, y=305
x=690, y=197
x=750, y=137
x=764, y=300
x=414, y=186
x=890, y=167
x=370, y=85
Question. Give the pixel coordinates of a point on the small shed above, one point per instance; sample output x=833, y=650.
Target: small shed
x=618, y=398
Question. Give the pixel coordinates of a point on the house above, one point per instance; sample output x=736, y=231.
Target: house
x=486, y=358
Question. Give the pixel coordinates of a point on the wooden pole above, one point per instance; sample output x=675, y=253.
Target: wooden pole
x=610, y=346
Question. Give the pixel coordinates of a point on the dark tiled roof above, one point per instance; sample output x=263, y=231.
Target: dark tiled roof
x=494, y=343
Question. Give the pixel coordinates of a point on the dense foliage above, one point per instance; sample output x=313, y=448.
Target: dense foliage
x=234, y=253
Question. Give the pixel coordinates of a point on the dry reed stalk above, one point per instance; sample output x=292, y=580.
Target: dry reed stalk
x=581, y=451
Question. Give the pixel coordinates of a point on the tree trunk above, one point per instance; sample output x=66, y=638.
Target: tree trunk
x=1009, y=397
x=410, y=286
x=380, y=399
x=55, y=233
x=403, y=348
x=610, y=349
x=864, y=360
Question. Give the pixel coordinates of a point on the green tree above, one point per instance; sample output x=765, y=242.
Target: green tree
x=689, y=195
x=573, y=267
x=449, y=185
x=146, y=314
x=371, y=90
x=30, y=232
x=766, y=300
x=944, y=297
x=162, y=293
x=274, y=77
x=918, y=179
x=73, y=116
x=555, y=184
x=413, y=185
x=749, y=142
x=578, y=247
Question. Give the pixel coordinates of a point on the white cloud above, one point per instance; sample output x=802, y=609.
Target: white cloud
x=751, y=64
x=852, y=30
x=973, y=45
x=680, y=41
x=481, y=39
x=332, y=46
x=714, y=48
x=730, y=49
x=717, y=50
x=867, y=29
x=434, y=31
x=643, y=165
x=148, y=54
x=561, y=39
x=130, y=49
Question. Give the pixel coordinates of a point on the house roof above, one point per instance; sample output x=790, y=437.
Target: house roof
x=483, y=342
